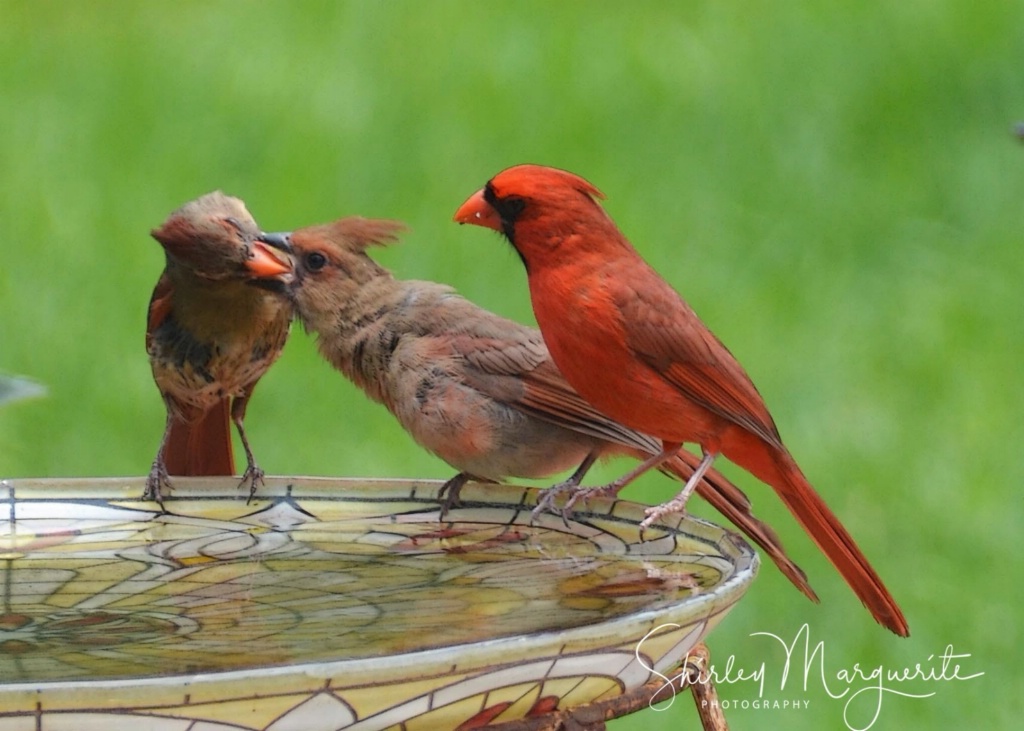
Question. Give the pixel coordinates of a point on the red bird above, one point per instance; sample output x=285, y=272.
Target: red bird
x=630, y=345
x=473, y=388
x=211, y=335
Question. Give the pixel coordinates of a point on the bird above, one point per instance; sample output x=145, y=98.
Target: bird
x=211, y=333
x=475, y=389
x=629, y=344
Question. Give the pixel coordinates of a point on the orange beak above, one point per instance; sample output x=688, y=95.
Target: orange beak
x=265, y=262
x=478, y=212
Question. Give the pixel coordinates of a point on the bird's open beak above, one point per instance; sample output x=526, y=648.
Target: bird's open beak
x=478, y=212
x=270, y=255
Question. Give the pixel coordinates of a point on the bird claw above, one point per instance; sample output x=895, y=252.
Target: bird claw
x=586, y=493
x=253, y=475
x=155, y=484
x=657, y=512
x=450, y=492
x=448, y=503
x=546, y=503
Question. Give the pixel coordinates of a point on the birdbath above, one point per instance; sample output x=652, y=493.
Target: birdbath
x=338, y=604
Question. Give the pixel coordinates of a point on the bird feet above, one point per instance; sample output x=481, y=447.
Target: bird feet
x=585, y=493
x=676, y=505
x=546, y=503
x=451, y=489
x=547, y=499
x=253, y=475
x=156, y=482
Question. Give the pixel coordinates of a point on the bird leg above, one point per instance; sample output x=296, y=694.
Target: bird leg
x=548, y=497
x=158, y=479
x=678, y=503
x=253, y=474
x=668, y=451
x=452, y=488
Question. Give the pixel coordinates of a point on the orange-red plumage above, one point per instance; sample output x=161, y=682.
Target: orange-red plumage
x=630, y=345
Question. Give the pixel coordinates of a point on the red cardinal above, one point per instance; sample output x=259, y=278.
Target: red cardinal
x=475, y=389
x=630, y=345
x=211, y=334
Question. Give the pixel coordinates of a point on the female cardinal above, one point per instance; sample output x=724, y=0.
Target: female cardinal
x=475, y=389
x=211, y=334
x=630, y=345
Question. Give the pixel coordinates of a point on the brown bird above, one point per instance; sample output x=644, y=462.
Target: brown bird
x=473, y=388
x=211, y=335
x=630, y=345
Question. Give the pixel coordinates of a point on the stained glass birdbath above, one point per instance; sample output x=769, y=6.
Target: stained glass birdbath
x=337, y=604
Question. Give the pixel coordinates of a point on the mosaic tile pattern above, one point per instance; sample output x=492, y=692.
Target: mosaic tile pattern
x=330, y=604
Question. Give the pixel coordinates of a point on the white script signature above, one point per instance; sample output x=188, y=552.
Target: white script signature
x=863, y=688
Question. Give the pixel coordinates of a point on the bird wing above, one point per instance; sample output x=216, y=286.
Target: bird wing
x=160, y=304
x=509, y=362
x=666, y=334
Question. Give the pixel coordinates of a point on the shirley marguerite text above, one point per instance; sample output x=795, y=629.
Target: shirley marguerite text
x=862, y=690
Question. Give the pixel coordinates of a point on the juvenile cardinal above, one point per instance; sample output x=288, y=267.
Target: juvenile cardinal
x=211, y=334
x=630, y=346
x=475, y=389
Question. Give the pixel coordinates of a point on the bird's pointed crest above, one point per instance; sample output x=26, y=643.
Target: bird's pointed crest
x=356, y=233
x=538, y=181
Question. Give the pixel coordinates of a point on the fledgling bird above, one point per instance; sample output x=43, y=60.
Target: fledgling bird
x=630, y=345
x=473, y=388
x=212, y=332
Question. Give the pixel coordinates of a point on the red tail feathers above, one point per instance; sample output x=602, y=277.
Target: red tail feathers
x=777, y=468
x=203, y=446
x=730, y=501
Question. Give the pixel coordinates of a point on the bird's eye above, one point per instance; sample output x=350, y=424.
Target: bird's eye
x=508, y=208
x=315, y=261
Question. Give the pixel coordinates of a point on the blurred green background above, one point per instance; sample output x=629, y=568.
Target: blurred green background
x=835, y=188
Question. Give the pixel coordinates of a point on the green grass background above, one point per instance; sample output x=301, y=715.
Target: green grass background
x=835, y=187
